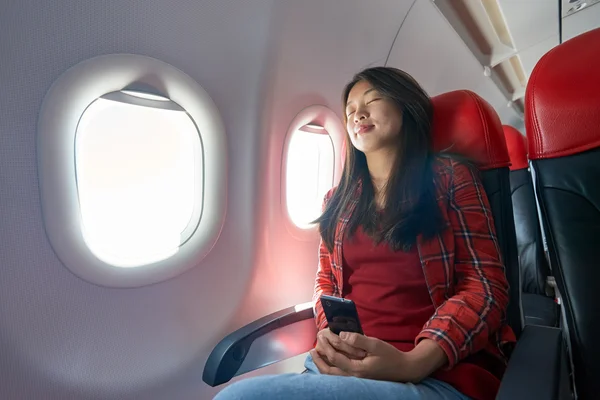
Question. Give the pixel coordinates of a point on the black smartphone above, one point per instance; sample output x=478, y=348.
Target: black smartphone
x=341, y=314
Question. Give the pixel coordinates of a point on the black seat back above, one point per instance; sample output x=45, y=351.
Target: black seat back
x=467, y=125
x=563, y=130
x=534, y=267
x=539, y=307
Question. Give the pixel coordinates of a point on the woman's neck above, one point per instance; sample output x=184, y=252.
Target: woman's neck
x=380, y=166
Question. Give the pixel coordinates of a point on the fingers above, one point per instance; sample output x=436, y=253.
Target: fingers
x=338, y=345
x=324, y=347
x=358, y=341
x=345, y=347
x=324, y=367
x=339, y=365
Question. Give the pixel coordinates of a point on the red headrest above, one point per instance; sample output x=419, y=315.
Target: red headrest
x=517, y=148
x=465, y=124
x=562, y=101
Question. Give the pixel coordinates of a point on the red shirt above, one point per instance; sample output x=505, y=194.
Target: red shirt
x=388, y=288
x=393, y=304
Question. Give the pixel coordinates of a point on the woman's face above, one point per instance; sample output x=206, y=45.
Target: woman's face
x=373, y=121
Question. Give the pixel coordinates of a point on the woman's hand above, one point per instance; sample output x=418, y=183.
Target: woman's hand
x=383, y=361
x=329, y=344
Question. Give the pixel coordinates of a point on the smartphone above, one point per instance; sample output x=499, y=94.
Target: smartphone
x=341, y=314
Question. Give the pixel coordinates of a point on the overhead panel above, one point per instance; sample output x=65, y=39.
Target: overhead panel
x=571, y=7
x=484, y=29
x=530, y=21
x=423, y=52
x=580, y=19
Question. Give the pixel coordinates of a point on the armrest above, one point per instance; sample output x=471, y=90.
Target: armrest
x=273, y=338
x=538, y=367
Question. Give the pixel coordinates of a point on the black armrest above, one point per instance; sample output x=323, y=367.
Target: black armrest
x=233, y=355
x=538, y=367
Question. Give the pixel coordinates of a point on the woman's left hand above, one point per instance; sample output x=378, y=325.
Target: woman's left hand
x=383, y=361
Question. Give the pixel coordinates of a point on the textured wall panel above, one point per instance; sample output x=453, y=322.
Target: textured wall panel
x=61, y=337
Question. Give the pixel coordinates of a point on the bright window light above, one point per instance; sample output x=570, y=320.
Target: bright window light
x=309, y=175
x=143, y=95
x=139, y=190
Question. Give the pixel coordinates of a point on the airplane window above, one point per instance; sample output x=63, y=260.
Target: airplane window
x=309, y=173
x=136, y=159
x=132, y=166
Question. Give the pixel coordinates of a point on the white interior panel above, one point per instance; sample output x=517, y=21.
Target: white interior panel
x=532, y=54
x=581, y=21
x=530, y=21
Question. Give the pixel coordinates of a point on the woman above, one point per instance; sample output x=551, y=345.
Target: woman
x=409, y=237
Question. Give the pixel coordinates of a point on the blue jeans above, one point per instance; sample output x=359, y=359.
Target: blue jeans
x=313, y=385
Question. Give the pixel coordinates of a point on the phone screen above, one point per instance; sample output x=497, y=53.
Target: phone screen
x=341, y=314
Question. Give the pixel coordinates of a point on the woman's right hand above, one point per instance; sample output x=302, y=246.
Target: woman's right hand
x=328, y=343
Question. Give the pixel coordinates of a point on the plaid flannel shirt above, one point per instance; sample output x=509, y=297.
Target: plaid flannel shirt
x=462, y=266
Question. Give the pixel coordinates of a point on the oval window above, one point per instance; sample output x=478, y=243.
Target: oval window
x=138, y=165
x=309, y=173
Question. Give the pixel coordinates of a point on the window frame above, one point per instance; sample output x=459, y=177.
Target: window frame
x=317, y=115
x=170, y=106
x=61, y=111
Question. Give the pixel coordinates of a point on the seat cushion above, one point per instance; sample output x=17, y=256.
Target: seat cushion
x=539, y=310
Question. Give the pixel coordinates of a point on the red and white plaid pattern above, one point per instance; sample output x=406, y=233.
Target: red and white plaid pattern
x=462, y=266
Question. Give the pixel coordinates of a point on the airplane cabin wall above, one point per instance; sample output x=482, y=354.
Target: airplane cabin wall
x=262, y=62
x=60, y=336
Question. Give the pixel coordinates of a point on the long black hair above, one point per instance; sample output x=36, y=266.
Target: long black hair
x=411, y=207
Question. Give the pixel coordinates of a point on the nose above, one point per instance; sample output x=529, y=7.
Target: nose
x=360, y=114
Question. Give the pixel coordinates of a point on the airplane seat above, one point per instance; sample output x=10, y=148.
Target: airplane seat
x=563, y=130
x=466, y=125
x=539, y=308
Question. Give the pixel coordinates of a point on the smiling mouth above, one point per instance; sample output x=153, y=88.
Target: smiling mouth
x=364, y=129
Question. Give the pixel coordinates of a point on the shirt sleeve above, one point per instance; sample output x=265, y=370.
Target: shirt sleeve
x=463, y=324
x=324, y=280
